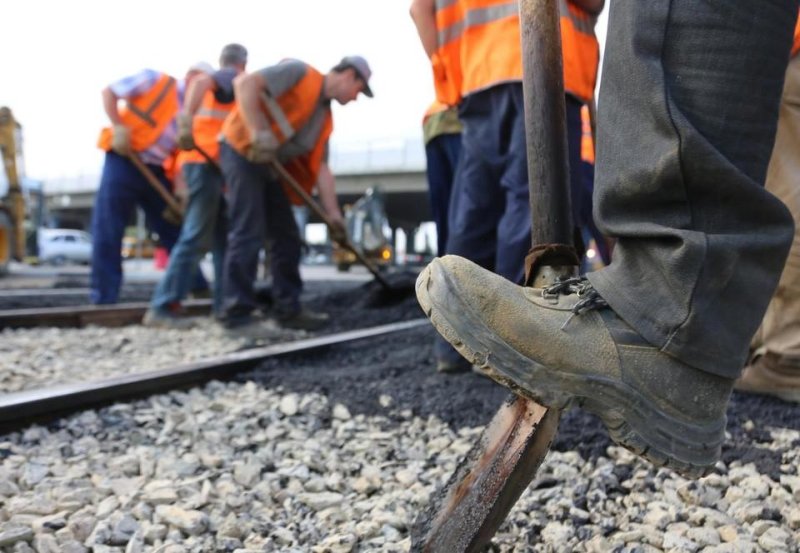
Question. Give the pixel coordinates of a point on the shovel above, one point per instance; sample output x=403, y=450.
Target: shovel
x=174, y=212
x=490, y=479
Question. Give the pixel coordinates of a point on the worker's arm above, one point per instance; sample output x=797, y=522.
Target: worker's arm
x=194, y=94
x=248, y=89
x=423, y=12
x=110, y=106
x=326, y=185
x=593, y=7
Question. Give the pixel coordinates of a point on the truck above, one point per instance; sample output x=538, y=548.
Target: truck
x=12, y=200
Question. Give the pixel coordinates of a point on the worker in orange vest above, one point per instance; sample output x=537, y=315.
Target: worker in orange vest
x=774, y=364
x=146, y=127
x=653, y=342
x=209, y=100
x=475, y=52
x=282, y=114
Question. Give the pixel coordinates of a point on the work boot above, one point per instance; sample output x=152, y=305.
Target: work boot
x=165, y=318
x=773, y=375
x=562, y=346
x=303, y=319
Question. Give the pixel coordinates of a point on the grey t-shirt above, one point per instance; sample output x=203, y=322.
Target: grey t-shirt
x=279, y=79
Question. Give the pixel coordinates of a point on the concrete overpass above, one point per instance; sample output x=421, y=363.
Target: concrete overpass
x=396, y=166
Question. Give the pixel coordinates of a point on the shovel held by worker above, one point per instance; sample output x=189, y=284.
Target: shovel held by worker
x=174, y=212
x=468, y=511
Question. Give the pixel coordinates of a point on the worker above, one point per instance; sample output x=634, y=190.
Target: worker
x=475, y=45
x=653, y=342
x=774, y=365
x=441, y=130
x=209, y=99
x=144, y=127
x=282, y=114
x=15, y=198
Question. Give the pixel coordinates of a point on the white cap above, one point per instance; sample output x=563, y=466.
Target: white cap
x=203, y=67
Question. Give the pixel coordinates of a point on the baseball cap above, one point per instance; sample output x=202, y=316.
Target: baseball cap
x=362, y=69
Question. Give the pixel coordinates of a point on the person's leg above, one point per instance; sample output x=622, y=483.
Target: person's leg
x=246, y=199
x=441, y=155
x=684, y=139
x=701, y=244
x=218, y=248
x=112, y=209
x=775, y=367
x=477, y=202
x=205, y=187
x=514, y=227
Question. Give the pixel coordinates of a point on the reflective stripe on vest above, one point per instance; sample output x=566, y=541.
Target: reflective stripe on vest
x=146, y=115
x=278, y=115
x=446, y=60
x=580, y=51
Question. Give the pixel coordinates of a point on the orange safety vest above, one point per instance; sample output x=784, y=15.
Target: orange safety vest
x=446, y=60
x=587, y=141
x=146, y=115
x=206, y=126
x=796, y=45
x=580, y=51
x=491, y=52
x=287, y=115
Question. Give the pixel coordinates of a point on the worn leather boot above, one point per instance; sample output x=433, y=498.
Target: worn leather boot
x=562, y=346
x=773, y=375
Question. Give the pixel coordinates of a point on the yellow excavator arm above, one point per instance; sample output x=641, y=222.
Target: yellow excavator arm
x=12, y=206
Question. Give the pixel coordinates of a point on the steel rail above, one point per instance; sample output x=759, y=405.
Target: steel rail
x=19, y=409
x=77, y=316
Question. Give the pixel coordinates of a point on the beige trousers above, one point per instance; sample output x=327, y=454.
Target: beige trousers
x=780, y=328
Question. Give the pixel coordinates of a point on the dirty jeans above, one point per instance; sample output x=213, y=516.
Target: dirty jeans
x=687, y=117
x=204, y=228
x=122, y=187
x=258, y=207
x=780, y=329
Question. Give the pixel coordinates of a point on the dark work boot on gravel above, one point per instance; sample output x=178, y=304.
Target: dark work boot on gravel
x=562, y=345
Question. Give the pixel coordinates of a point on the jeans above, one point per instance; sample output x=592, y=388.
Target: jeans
x=204, y=228
x=686, y=123
x=122, y=187
x=258, y=207
x=441, y=155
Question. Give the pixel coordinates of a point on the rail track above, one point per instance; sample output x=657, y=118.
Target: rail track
x=21, y=408
x=77, y=316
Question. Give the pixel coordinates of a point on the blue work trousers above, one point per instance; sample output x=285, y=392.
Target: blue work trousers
x=490, y=219
x=441, y=155
x=204, y=228
x=258, y=207
x=122, y=187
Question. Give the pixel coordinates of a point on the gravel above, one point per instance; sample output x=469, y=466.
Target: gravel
x=338, y=451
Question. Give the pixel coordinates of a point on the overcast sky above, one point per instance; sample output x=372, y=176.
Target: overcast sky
x=58, y=56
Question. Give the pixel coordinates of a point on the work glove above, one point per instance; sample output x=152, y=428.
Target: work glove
x=121, y=140
x=338, y=232
x=264, y=147
x=185, y=138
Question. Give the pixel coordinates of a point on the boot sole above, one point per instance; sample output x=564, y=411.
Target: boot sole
x=631, y=419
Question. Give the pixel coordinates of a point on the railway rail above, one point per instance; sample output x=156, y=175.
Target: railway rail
x=77, y=316
x=21, y=408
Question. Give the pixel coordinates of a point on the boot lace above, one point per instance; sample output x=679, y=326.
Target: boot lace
x=589, y=298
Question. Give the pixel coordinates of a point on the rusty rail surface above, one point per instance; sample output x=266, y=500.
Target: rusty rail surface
x=21, y=408
x=78, y=316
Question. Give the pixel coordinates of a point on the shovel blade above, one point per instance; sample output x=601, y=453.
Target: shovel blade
x=467, y=512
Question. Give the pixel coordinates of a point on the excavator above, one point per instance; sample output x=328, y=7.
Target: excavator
x=12, y=200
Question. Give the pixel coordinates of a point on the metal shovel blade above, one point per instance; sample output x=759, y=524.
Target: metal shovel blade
x=466, y=513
